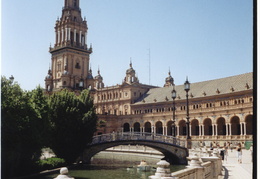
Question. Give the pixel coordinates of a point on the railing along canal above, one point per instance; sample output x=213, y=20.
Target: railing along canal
x=124, y=136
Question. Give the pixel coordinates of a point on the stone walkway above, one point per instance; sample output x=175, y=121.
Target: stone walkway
x=234, y=170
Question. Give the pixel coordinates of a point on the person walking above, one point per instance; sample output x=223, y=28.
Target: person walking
x=226, y=153
x=239, y=153
x=222, y=153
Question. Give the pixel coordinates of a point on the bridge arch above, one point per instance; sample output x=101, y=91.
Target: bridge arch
x=173, y=153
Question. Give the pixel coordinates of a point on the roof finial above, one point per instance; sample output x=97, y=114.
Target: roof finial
x=98, y=70
x=131, y=62
x=169, y=71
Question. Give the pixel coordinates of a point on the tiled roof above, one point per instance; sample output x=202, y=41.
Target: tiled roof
x=201, y=89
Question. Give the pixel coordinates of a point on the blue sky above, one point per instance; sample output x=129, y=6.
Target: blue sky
x=202, y=39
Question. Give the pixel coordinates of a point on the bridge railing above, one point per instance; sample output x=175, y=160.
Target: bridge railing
x=135, y=136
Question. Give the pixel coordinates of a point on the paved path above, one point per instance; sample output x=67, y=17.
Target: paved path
x=234, y=170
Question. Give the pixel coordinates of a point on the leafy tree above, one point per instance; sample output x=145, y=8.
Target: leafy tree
x=73, y=121
x=39, y=103
x=22, y=126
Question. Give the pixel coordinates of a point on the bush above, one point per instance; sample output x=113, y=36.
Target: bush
x=51, y=163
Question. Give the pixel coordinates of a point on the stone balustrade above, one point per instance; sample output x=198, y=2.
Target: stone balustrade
x=202, y=164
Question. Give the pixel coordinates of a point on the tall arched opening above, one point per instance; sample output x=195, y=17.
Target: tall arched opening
x=148, y=127
x=126, y=127
x=159, y=127
x=235, y=125
x=182, y=127
x=221, y=125
x=137, y=127
x=194, y=127
x=207, y=126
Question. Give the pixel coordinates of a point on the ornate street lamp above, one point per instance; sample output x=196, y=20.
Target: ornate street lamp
x=187, y=89
x=173, y=111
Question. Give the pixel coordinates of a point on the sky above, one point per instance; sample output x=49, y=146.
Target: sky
x=202, y=40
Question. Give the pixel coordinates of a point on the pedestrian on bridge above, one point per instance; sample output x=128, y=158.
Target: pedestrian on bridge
x=239, y=153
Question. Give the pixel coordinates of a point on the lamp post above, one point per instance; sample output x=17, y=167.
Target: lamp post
x=187, y=89
x=173, y=111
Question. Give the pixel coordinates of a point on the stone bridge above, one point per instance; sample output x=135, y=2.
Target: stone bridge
x=171, y=147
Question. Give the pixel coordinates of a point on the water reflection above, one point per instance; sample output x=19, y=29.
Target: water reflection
x=107, y=165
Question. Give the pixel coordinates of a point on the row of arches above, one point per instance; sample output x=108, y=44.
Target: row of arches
x=207, y=127
x=182, y=107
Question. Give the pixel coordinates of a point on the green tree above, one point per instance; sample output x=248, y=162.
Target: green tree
x=73, y=120
x=21, y=129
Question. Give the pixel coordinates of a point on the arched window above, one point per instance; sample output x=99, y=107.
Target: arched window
x=137, y=127
x=148, y=127
x=126, y=127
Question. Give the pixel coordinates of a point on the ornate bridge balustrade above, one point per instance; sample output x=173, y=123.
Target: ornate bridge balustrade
x=136, y=136
x=172, y=148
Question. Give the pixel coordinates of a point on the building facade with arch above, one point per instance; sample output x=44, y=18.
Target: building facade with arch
x=220, y=110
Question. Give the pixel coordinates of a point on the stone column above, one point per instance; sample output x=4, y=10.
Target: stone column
x=244, y=128
x=75, y=34
x=59, y=37
x=216, y=130
x=203, y=130
x=69, y=35
x=230, y=130
x=85, y=38
x=66, y=34
x=199, y=130
x=227, y=132
x=62, y=35
x=178, y=130
x=213, y=129
x=241, y=128
x=80, y=37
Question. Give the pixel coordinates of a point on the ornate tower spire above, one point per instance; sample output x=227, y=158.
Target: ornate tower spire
x=70, y=53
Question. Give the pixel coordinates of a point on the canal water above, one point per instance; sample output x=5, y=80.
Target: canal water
x=112, y=165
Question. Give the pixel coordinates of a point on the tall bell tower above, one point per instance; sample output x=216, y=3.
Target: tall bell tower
x=70, y=53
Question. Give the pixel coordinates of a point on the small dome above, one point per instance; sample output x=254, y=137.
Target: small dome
x=98, y=77
x=169, y=78
x=130, y=70
x=48, y=76
x=90, y=76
